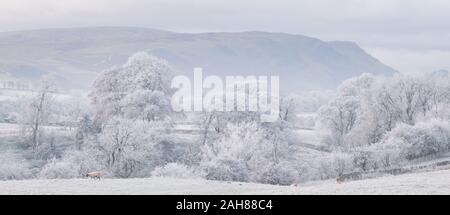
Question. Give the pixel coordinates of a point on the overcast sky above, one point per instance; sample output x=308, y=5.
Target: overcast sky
x=410, y=35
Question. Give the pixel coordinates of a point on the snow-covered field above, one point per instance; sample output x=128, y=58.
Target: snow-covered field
x=8, y=129
x=312, y=137
x=437, y=182
x=14, y=95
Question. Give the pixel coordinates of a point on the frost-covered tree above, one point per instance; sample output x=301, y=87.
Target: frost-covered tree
x=342, y=113
x=213, y=124
x=366, y=108
x=241, y=148
x=420, y=140
x=36, y=112
x=12, y=168
x=133, y=116
x=230, y=157
x=139, y=89
x=339, y=117
x=127, y=147
x=69, y=108
x=84, y=131
x=399, y=100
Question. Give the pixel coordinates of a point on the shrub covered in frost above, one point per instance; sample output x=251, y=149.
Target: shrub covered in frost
x=388, y=154
x=227, y=170
x=329, y=166
x=281, y=174
x=364, y=160
x=175, y=170
x=59, y=169
x=422, y=139
x=11, y=169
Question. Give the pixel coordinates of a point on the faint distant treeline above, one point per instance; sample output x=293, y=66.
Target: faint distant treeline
x=16, y=85
x=24, y=85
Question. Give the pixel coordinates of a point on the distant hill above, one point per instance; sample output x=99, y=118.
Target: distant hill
x=74, y=56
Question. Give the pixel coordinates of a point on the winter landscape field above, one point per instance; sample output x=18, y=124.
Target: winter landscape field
x=354, y=102
x=428, y=183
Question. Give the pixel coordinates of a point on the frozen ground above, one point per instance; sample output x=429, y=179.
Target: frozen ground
x=437, y=182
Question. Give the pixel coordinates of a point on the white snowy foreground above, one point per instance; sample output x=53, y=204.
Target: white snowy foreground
x=437, y=182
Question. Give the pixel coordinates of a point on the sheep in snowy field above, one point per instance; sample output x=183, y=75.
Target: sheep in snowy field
x=94, y=175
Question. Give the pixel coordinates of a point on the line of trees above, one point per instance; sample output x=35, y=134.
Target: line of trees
x=386, y=122
x=371, y=123
x=131, y=133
